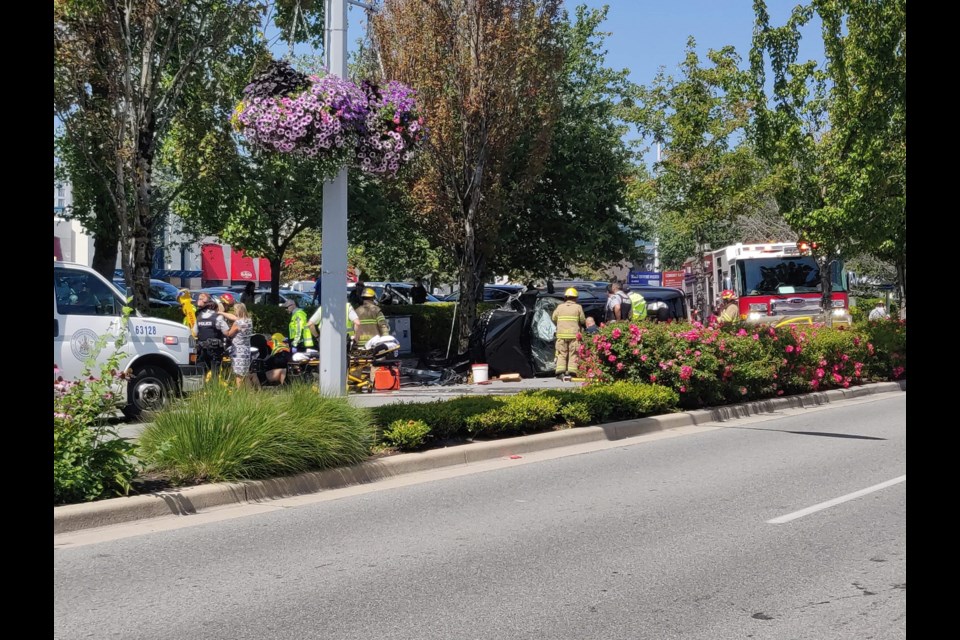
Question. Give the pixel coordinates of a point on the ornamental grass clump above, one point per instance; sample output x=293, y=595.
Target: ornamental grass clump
x=222, y=434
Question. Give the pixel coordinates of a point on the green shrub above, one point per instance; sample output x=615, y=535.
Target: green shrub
x=575, y=414
x=886, y=344
x=430, y=324
x=446, y=418
x=517, y=414
x=90, y=460
x=406, y=435
x=233, y=434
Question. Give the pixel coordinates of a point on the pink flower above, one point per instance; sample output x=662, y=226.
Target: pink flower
x=814, y=384
x=756, y=336
x=837, y=377
x=686, y=372
x=643, y=358
x=612, y=358
x=789, y=348
x=846, y=383
x=742, y=332
x=823, y=362
x=844, y=357
x=653, y=377
x=870, y=348
x=820, y=372
x=743, y=391
x=780, y=392
x=696, y=354
x=683, y=389
x=636, y=352
x=616, y=333
x=619, y=366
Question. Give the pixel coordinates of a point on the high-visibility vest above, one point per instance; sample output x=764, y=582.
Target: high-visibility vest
x=298, y=329
x=349, y=323
x=639, y=306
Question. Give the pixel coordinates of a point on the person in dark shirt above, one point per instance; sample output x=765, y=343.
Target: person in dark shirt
x=418, y=293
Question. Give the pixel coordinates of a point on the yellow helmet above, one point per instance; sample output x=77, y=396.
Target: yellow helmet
x=571, y=293
x=368, y=293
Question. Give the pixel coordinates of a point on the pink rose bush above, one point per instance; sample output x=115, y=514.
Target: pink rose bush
x=712, y=365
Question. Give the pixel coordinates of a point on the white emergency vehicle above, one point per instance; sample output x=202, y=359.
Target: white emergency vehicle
x=159, y=353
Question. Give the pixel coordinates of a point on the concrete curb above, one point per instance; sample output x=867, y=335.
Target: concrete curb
x=191, y=500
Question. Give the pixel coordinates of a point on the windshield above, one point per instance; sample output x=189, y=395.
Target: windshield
x=785, y=275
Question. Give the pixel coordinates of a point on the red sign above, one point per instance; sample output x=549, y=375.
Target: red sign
x=673, y=279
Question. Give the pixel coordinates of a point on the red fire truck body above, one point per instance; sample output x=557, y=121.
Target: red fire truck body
x=775, y=283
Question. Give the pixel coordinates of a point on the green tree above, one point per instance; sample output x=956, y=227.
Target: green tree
x=707, y=175
x=487, y=74
x=578, y=215
x=835, y=135
x=120, y=74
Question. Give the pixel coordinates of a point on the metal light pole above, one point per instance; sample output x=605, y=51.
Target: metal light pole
x=333, y=252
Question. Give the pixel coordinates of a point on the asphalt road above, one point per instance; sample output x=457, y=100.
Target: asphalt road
x=659, y=538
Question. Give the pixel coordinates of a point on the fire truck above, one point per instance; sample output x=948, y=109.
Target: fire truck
x=776, y=283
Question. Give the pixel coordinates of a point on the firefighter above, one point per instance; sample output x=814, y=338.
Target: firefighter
x=370, y=321
x=300, y=336
x=637, y=303
x=570, y=319
x=731, y=310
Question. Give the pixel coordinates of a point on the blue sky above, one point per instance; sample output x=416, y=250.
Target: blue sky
x=648, y=34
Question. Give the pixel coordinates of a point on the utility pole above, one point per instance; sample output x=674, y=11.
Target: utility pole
x=333, y=274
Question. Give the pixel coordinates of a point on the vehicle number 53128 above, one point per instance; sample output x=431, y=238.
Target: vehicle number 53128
x=144, y=330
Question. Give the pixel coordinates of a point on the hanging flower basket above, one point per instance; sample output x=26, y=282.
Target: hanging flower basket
x=392, y=130
x=330, y=119
x=310, y=116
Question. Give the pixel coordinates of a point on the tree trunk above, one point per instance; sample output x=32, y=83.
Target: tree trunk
x=276, y=262
x=106, y=240
x=826, y=289
x=469, y=283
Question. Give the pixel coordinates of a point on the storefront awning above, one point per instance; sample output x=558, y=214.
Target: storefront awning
x=265, y=273
x=241, y=266
x=212, y=264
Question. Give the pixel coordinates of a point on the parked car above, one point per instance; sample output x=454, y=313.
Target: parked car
x=162, y=294
x=492, y=292
x=395, y=293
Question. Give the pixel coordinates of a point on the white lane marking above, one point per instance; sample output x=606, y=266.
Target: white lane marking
x=836, y=501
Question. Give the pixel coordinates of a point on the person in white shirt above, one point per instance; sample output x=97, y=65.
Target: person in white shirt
x=879, y=312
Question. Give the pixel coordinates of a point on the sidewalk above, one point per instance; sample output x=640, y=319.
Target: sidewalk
x=193, y=500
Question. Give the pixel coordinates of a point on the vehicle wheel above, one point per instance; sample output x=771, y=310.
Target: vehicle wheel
x=149, y=390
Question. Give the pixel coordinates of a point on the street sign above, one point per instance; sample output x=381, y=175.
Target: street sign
x=673, y=279
x=644, y=278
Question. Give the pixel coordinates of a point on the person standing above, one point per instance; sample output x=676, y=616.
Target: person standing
x=248, y=296
x=300, y=336
x=211, y=330
x=638, y=305
x=418, y=294
x=618, y=304
x=313, y=324
x=370, y=320
x=570, y=319
x=731, y=310
x=879, y=311
x=240, y=332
